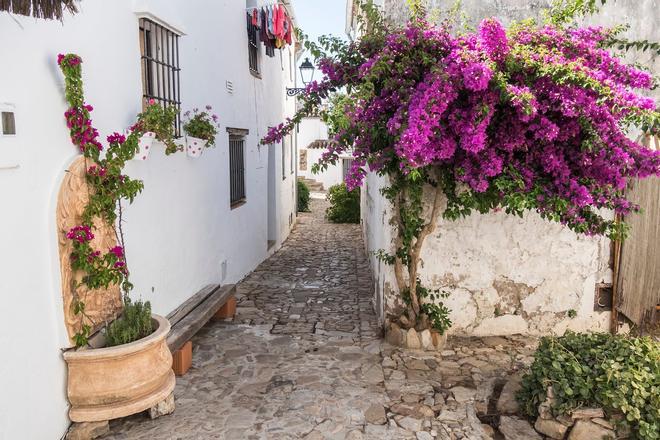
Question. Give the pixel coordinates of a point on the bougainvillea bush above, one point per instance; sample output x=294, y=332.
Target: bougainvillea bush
x=108, y=186
x=533, y=117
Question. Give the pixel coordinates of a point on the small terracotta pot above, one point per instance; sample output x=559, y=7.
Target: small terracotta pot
x=112, y=382
x=195, y=146
x=144, y=146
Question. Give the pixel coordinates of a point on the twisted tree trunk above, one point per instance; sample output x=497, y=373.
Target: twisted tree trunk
x=415, y=253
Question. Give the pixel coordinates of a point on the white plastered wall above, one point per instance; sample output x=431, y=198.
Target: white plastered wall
x=180, y=229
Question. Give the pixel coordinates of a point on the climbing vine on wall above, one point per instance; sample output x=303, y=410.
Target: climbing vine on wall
x=108, y=186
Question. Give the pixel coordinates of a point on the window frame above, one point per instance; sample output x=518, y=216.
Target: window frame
x=292, y=159
x=283, y=144
x=254, y=54
x=237, y=171
x=160, y=67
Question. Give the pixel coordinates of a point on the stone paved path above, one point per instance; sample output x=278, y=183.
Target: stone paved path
x=304, y=359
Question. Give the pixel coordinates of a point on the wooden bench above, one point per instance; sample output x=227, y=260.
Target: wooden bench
x=187, y=319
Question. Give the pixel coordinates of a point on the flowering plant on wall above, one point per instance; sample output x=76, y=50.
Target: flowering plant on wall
x=202, y=124
x=529, y=118
x=108, y=186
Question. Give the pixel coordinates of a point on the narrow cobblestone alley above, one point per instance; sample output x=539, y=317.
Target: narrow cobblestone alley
x=303, y=359
x=302, y=354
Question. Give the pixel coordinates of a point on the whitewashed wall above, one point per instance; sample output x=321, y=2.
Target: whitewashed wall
x=179, y=230
x=507, y=275
x=310, y=130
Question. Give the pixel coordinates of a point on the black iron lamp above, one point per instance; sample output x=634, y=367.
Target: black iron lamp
x=307, y=74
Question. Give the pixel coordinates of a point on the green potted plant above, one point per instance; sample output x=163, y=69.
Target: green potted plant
x=201, y=127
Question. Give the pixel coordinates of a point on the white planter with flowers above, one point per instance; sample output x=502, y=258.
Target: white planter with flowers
x=195, y=146
x=201, y=128
x=144, y=146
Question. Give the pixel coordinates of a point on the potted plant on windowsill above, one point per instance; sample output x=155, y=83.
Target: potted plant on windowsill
x=201, y=127
x=121, y=363
x=158, y=125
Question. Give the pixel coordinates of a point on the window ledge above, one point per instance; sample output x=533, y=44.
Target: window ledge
x=255, y=74
x=238, y=204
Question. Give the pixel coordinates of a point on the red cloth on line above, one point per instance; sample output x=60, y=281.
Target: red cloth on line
x=255, y=17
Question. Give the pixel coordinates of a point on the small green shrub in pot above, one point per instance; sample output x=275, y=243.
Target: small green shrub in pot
x=617, y=373
x=202, y=124
x=135, y=323
x=344, y=204
x=303, y=197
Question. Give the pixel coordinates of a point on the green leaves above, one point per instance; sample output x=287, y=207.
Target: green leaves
x=344, y=204
x=303, y=197
x=620, y=374
x=135, y=323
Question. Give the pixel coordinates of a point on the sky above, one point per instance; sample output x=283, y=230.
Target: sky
x=321, y=17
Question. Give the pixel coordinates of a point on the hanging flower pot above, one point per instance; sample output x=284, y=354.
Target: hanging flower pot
x=195, y=146
x=201, y=128
x=144, y=145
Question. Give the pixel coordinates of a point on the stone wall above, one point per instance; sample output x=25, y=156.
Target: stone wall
x=505, y=274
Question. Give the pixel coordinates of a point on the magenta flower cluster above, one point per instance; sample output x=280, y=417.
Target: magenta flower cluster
x=81, y=234
x=70, y=60
x=539, y=114
x=83, y=134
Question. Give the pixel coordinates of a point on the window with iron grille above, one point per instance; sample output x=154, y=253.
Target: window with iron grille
x=292, y=163
x=284, y=158
x=253, y=46
x=236, y=169
x=159, y=48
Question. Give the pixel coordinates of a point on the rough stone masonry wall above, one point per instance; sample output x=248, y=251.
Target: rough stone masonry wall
x=508, y=275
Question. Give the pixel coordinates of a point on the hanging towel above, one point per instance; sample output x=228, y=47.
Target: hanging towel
x=263, y=34
x=271, y=31
x=288, y=34
x=281, y=18
x=255, y=17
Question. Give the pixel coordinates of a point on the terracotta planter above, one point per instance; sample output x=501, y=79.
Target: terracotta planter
x=107, y=383
x=195, y=146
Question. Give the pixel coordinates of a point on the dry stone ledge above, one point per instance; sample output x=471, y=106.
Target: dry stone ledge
x=427, y=340
x=517, y=429
x=507, y=403
x=585, y=430
x=551, y=428
x=87, y=430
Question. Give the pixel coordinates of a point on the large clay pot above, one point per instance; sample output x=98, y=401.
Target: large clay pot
x=112, y=382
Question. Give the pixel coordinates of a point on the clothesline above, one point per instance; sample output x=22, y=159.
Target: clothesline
x=265, y=5
x=274, y=25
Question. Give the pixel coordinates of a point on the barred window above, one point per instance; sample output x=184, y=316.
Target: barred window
x=159, y=49
x=236, y=166
x=253, y=46
x=293, y=155
x=284, y=158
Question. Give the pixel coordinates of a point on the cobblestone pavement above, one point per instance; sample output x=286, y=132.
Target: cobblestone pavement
x=303, y=358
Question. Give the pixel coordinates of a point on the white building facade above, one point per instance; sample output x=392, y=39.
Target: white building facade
x=183, y=232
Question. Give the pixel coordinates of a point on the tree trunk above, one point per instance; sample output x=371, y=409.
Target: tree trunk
x=413, y=269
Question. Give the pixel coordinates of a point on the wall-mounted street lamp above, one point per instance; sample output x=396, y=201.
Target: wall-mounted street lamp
x=307, y=74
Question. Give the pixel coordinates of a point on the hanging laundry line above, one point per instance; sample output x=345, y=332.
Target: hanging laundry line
x=274, y=25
